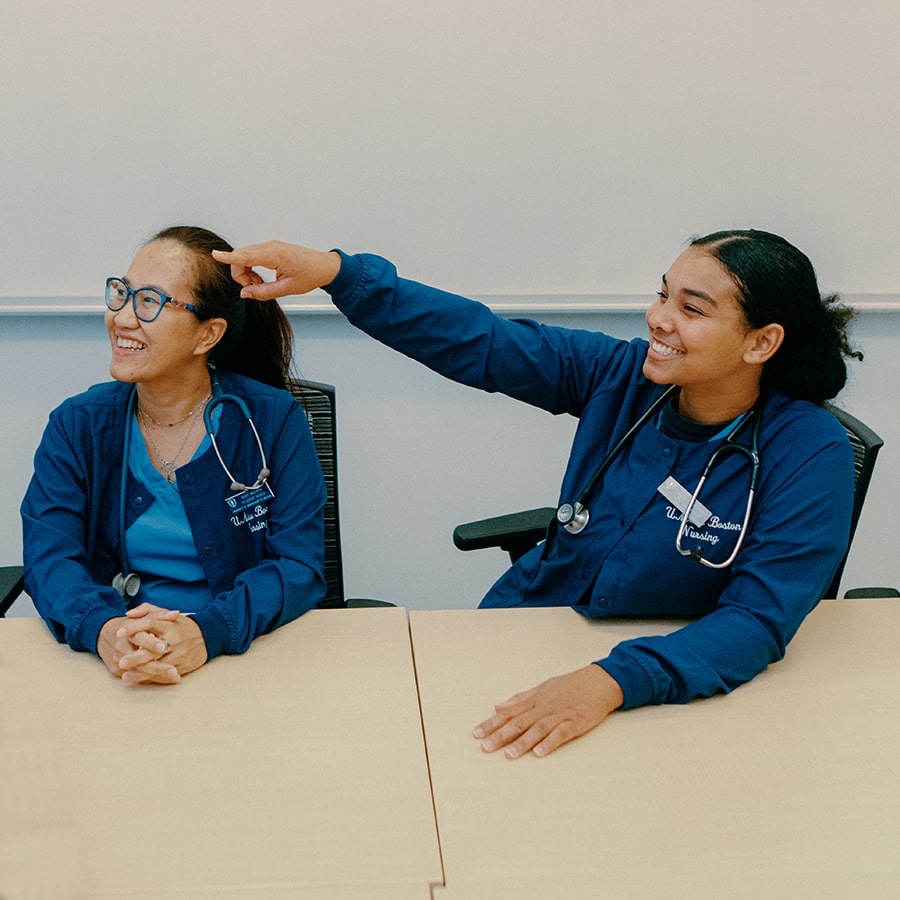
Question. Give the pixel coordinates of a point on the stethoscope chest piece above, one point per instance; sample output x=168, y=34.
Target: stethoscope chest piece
x=127, y=585
x=573, y=517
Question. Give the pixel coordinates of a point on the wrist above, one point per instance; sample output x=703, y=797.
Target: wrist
x=331, y=267
x=611, y=690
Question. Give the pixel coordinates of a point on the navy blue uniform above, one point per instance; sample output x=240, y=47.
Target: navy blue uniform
x=259, y=578
x=625, y=562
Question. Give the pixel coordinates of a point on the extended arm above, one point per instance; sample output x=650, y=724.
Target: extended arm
x=555, y=369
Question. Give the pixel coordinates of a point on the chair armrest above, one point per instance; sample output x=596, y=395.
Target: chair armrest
x=12, y=582
x=864, y=593
x=516, y=533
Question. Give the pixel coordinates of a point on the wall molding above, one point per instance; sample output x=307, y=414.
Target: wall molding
x=507, y=304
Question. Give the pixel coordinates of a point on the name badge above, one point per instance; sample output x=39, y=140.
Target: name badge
x=250, y=508
x=679, y=497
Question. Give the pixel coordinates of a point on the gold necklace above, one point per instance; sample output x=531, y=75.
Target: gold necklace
x=168, y=465
x=184, y=418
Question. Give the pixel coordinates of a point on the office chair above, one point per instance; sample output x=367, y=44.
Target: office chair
x=868, y=593
x=517, y=533
x=12, y=581
x=318, y=402
x=865, y=444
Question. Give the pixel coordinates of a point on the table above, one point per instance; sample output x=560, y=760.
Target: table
x=296, y=770
x=299, y=771
x=788, y=787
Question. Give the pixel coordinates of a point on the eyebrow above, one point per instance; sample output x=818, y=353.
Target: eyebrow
x=144, y=287
x=692, y=292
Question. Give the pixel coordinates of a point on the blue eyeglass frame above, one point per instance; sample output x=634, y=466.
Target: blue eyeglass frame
x=131, y=294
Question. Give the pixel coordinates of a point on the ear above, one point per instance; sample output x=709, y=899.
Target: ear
x=762, y=343
x=209, y=333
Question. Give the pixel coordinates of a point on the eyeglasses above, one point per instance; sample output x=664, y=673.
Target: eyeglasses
x=147, y=301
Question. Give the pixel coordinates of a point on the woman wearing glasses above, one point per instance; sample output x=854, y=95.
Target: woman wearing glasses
x=127, y=479
x=740, y=346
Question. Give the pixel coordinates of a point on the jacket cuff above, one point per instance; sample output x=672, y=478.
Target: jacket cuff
x=636, y=684
x=214, y=630
x=347, y=278
x=89, y=630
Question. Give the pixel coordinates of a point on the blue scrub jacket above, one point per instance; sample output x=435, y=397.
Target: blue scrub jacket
x=625, y=562
x=259, y=579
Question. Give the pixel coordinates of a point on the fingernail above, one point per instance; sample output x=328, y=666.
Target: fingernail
x=539, y=750
x=478, y=732
x=487, y=745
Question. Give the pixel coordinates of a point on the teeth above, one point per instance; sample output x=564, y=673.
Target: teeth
x=127, y=344
x=664, y=350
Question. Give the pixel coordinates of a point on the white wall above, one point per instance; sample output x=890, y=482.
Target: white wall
x=508, y=148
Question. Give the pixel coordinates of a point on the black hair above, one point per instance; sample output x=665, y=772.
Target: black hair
x=777, y=284
x=258, y=341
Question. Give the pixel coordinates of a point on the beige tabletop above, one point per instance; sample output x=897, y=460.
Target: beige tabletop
x=296, y=770
x=788, y=787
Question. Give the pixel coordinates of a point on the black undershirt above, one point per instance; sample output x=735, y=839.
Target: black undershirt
x=673, y=425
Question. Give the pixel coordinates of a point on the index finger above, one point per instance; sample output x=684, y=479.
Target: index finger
x=151, y=624
x=269, y=255
x=265, y=254
x=146, y=609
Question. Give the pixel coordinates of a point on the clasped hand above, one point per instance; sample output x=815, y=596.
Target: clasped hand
x=151, y=645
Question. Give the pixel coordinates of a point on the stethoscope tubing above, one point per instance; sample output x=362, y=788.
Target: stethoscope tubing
x=575, y=517
x=264, y=472
x=129, y=582
x=729, y=445
x=126, y=582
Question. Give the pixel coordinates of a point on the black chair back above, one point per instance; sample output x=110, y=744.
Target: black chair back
x=318, y=402
x=865, y=444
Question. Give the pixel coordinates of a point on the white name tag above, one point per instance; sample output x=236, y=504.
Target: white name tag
x=679, y=497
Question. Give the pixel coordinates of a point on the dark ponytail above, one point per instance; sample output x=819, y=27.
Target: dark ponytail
x=258, y=341
x=778, y=284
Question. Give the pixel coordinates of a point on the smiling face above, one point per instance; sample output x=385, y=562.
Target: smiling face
x=176, y=341
x=700, y=339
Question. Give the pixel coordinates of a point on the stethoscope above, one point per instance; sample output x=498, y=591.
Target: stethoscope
x=126, y=582
x=574, y=517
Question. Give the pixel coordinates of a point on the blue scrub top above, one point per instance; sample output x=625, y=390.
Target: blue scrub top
x=160, y=542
